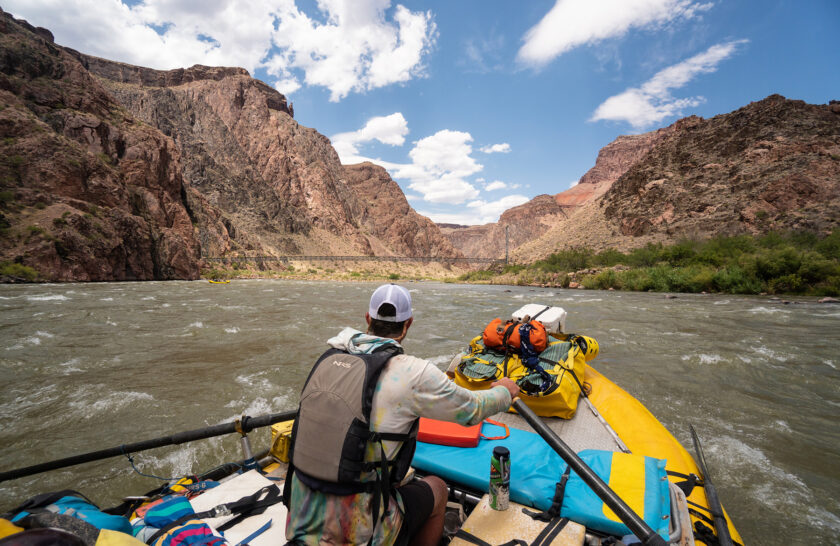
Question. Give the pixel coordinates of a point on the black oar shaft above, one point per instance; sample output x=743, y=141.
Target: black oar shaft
x=247, y=424
x=721, y=527
x=636, y=524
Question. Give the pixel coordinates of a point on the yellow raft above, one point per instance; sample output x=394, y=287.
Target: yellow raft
x=643, y=434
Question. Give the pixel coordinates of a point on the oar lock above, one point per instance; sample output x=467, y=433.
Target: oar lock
x=241, y=426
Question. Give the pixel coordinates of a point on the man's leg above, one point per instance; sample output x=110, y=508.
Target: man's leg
x=431, y=531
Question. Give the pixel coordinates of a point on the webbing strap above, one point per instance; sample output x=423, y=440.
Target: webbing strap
x=249, y=505
x=472, y=539
x=255, y=534
x=556, y=502
x=690, y=481
x=550, y=532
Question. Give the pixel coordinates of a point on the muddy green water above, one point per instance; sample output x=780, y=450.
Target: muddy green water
x=89, y=366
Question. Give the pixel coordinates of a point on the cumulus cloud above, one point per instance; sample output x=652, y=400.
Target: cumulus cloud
x=652, y=102
x=439, y=166
x=501, y=148
x=489, y=211
x=572, y=23
x=389, y=130
x=356, y=48
x=496, y=185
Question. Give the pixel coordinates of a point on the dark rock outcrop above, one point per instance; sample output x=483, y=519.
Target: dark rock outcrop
x=279, y=186
x=87, y=192
x=388, y=220
x=773, y=164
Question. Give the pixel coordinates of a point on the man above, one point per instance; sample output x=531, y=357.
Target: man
x=347, y=493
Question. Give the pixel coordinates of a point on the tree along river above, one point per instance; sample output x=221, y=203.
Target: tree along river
x=90, y=366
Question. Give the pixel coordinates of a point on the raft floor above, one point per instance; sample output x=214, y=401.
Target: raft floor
x=586, y=430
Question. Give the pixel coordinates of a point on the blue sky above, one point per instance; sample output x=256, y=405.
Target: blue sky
x=475, y=106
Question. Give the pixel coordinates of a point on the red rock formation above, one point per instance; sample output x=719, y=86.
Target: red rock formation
x=388, y=220
x=773, y=164
x=531, y=220
x=87, y=192
x=278, y=184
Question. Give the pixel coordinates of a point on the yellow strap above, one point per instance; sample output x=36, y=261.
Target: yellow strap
x=8, y=528
x=107, y=537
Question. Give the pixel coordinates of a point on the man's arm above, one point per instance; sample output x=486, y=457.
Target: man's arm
x=437, y=397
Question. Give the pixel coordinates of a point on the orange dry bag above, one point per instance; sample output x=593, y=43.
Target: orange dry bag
x=503, y=336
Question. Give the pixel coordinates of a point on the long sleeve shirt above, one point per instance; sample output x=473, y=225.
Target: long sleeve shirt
x=408, y=388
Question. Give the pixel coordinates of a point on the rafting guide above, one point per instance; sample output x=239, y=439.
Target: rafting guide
x=355, y=435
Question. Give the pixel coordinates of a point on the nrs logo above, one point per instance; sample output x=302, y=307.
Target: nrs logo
x=343, y=364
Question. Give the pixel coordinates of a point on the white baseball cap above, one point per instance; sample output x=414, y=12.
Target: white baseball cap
x=397, y=296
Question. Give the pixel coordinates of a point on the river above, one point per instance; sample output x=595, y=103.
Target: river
x=89, y=366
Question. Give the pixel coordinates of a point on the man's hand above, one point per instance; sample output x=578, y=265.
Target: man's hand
x=509, y=384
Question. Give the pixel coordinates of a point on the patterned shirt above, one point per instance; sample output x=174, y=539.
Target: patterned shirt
x=408, y=388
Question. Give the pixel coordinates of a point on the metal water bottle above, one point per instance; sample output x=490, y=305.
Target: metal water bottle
x=500, y=478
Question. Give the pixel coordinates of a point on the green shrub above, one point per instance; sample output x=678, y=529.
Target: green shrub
x=572, y=259
x=393, y=276
x=646, y=256
x=610, y=257
x=59, y=222
x=480, y=275
x=682, y=253
x=355, y=274
x=735, y=280
x=20, y=271
x=830, y=246
x=7, y=196
x=786, y=284
x=312, y=271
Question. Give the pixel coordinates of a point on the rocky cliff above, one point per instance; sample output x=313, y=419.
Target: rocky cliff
x=387, y=220
x=529, y=222
x=771, y=165
x=86, y=191
x=279, y=186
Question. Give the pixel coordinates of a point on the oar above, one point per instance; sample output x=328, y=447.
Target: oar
x=724, y=538
x=244, y=425
x=637, y=525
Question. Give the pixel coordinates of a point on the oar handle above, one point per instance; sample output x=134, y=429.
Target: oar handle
x=246, y=424
x=637, y=525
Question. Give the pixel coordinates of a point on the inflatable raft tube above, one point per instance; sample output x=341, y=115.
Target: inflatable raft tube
x=643, y=434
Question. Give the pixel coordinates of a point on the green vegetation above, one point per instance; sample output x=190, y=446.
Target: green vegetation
x=394, y=276
x=778, y=263
x=20, y=271
x=7, y=197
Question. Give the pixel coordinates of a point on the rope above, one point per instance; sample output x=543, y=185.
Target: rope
x=131, y=461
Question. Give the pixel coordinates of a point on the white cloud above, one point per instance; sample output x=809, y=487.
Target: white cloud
x=572, y=23
x=389, y=130
x=440, y=163
x=652, y=102
x=287, y=86
x=502, y=148
x=356, y=49
x=495, y=185
x=489, y=211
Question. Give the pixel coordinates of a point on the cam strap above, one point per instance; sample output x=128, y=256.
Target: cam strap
x=472, y=539
x=247, y=506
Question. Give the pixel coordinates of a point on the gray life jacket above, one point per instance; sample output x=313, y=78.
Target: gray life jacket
x=332, y=429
